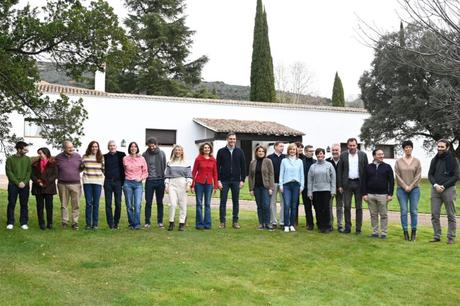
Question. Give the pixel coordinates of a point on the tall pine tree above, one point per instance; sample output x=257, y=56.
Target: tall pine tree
x=338, y=97
x=162, y=41
x=262, y=76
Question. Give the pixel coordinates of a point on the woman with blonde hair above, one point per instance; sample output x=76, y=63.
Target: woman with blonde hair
x=292, y=183
x=178, y=180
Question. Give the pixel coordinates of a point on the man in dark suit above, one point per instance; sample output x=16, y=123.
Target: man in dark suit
x=351, y=176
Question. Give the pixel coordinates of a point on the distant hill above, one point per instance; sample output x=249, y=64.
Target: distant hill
x=238, y=92
x=49, y=73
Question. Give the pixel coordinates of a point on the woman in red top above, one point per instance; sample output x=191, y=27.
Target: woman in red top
x=204, y=175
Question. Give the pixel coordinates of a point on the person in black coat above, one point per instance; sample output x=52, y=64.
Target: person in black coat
x=231, y=172
x=44, y=175
x=114, y=178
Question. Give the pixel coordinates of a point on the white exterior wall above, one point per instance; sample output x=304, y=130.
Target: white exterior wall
x=121, y=118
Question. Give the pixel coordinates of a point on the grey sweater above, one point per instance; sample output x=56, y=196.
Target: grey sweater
x=321, y=177
x=156, y=163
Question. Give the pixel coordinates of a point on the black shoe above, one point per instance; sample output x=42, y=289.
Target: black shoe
x=42, y=227
x=181, y=227
x=406, y=235
x=50, y=226
x=435, y=240
x=451, y=241
x=171, y=226
x=383, y=236
x=340, y=229
x=413, y=235
x=310, y=227
x=358, y=232
x=346, y=231
x=374, y=236
x=75, y=226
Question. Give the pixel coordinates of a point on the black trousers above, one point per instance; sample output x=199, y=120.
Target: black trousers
x=44, y=201
x=321, y=201
x=308, y=206
x=112, y=188
x=13, y=193
x=354, y=189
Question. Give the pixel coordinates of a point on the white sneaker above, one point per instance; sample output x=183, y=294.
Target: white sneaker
x=286, y=229
x=9, y=227
x=24, y=227
x=292, y=228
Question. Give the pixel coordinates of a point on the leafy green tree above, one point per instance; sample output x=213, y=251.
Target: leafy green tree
x=338, y=97
x=262, y=76
x=78, y=37
x=404, y=99
x=158, y=62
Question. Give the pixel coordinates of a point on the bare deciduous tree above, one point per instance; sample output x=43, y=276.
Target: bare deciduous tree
x=292, y=82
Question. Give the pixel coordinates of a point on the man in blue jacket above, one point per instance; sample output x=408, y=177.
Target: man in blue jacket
x=231, y=169
x=378, y=188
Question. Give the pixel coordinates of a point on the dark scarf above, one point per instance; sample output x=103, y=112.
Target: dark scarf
x=448, y=161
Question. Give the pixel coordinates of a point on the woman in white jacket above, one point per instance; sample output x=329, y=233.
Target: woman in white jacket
x=321, y=186
x=178, y=180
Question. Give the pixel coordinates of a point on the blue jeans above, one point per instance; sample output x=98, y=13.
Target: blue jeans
x=263, y=205
x=291, y=192
x=112, y=187
x=152, y=187
x=412, y=197
x=200, y=191
x=133, y=197
x=13, y=192
x=92, y=196
x=234, y=186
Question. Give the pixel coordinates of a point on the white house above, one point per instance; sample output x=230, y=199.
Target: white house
x=186, y=121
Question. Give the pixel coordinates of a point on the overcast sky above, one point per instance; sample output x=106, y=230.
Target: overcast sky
x=322, y=34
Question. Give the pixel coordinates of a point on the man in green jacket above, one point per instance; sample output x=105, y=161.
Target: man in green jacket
x=18, y=170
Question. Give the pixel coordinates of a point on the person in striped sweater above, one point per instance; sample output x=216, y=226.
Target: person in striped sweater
x=93, y=180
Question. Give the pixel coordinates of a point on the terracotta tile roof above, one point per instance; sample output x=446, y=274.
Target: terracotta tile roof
x=57, y=89
x=247, y=127
x=68, y=90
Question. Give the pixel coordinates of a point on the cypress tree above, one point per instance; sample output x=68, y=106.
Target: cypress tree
x=262, y=76
x=338, y=97
x=402, y=38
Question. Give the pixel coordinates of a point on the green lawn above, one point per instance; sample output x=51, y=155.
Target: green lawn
x=221, y=267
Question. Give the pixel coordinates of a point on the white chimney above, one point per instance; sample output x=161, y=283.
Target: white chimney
x=99, y=80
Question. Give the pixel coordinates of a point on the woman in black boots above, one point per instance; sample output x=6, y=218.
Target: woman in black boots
x=44, y=174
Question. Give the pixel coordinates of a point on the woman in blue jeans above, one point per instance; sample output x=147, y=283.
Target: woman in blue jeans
x=135, y=172
x=204, y=175
x=92, y=165
x=408, y=172
x=291, y=183
x=261, y=184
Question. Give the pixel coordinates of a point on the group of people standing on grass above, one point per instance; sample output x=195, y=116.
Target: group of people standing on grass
x=295, y=175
